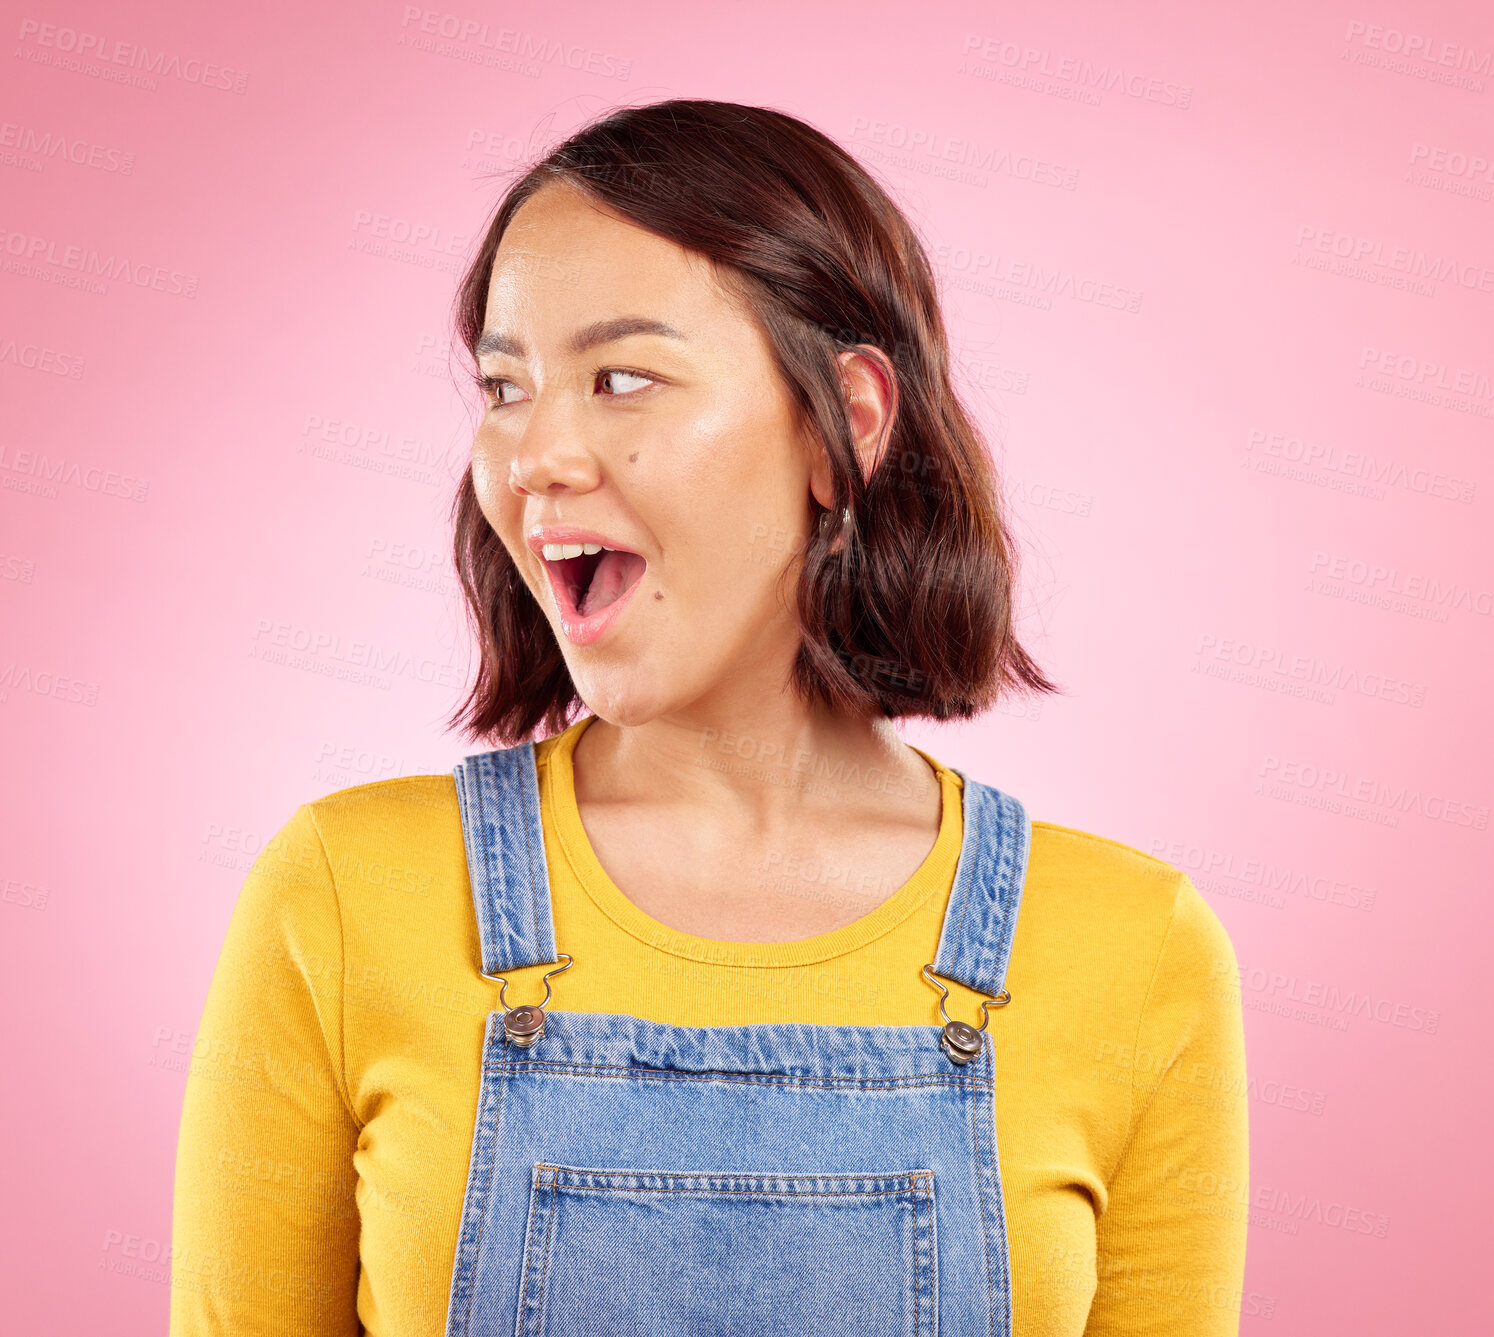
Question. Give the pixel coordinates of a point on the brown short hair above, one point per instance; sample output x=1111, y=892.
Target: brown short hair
x=914, y=616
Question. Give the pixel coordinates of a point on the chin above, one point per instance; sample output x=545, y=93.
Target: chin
x=626, y=696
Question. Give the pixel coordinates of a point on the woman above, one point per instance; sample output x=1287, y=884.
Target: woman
x=841, y=1041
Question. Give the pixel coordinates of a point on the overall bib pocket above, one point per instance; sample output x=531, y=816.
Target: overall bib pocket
x=672, y=1253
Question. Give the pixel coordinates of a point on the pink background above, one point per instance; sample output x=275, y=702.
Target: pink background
x=1227, y=321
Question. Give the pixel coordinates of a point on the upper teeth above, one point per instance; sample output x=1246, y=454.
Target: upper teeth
x=558, y=552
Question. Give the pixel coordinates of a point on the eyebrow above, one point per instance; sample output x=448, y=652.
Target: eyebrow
x=589, y=336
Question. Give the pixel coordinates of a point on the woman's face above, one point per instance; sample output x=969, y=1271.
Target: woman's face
x=679, y=447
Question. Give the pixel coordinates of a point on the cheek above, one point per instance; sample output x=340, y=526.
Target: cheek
x=488, y=476
x=692, y=489
x=739, y=452
x=490, y=471
x=501, y=507
x=729, y=488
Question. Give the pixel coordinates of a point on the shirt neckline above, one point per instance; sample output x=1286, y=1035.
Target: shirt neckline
x=934, y=875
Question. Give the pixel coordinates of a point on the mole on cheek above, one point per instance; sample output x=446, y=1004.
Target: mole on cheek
x=632, y=457
x=658, y=594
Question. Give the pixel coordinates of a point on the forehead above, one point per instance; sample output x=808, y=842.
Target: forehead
x=565, y=258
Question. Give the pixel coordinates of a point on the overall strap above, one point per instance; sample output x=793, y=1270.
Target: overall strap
x=975, y=944
x=498, y=795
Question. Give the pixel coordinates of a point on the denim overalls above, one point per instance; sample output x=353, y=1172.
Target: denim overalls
x=634, y=1177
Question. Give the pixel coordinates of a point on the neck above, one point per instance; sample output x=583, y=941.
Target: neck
x=767, y=767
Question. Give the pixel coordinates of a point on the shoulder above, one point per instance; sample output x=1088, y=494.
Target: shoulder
x=407, y=829
x=1106, y=905
x=1102, y=874
x=397, y=797
x=398, y=834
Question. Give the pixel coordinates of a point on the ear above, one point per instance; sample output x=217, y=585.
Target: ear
x=867, y=372
x=869, y=387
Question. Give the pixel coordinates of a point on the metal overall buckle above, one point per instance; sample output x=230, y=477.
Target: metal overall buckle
x=962, y=1042
x=524, y=1026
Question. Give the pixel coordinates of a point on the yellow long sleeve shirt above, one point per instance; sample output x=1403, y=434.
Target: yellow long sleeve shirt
x=331, y=1096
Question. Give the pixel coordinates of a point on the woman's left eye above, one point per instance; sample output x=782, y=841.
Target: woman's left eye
x=611, y=373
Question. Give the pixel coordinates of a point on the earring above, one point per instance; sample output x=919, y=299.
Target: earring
x=839, y=542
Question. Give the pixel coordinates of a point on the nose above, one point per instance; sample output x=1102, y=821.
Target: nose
x=551, y=457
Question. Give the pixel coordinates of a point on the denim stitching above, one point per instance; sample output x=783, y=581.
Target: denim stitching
x=549, y=1249
x=989, y=945
x=980, y=1191
x=528, y=1237
x=530, y=811
x=917, y=1274
x=742, y=1192
x=489, y=901
x=623, y=1073
x=482, y=1212
x=932, y=1234
x=1011, y=888
x=906, y=1179
x=966, y=893
x=930, y=1226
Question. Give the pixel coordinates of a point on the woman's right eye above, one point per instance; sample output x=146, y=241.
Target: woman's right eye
x=492, y=388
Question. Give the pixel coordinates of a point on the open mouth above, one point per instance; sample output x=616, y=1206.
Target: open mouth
x=587, y=584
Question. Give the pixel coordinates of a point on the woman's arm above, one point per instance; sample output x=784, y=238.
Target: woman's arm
x=1171, y=1242
x=265, y=1223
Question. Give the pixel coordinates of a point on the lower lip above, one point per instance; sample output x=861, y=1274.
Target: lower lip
x=587, y=630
